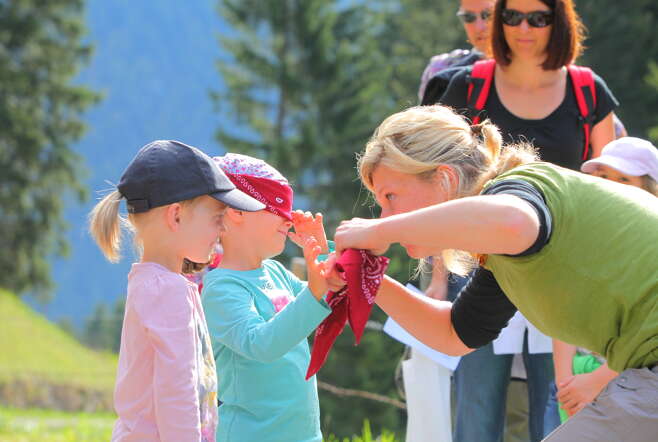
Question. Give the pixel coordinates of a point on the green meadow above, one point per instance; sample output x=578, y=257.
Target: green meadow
x=44, y=370
x=37, y=351
x=54, y=389
x=18, y=425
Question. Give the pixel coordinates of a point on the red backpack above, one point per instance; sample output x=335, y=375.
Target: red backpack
x=581, y=77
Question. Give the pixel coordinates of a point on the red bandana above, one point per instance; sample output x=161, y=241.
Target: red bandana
x=260, y=180
x=363, y=273
x=276, y=195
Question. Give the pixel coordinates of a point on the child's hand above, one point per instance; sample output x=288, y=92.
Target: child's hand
x=307, y=225
x=334, y=280
x=317, y=281
x=577, y=391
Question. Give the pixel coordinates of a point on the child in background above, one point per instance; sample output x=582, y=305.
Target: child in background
x=580, y=375
x=627, y=160
x=166, y=384
x=260, y=315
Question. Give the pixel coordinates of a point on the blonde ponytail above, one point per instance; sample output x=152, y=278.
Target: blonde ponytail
x=491, y=138
x=105, y=225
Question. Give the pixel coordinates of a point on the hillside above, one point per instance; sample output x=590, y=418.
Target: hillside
x=41, y=365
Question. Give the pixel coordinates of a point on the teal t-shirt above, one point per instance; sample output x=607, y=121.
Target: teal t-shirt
x=259, y=321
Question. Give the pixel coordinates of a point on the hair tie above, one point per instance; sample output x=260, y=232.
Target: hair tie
x=476, y=130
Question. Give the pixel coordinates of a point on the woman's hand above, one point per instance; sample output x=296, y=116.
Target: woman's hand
x=359, y=233
x=307, y=225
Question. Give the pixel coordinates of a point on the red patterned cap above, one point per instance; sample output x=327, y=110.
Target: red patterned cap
x=259, y=180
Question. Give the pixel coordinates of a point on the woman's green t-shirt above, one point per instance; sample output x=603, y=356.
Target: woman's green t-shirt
x=595, y=283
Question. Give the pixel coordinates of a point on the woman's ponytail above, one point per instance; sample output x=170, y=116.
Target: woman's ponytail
x=491, y=139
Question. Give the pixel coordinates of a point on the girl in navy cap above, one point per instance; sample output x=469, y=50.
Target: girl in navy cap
x=260, y=314
x=166, y=386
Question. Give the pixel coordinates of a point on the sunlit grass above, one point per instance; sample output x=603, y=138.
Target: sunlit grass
x=54, y=426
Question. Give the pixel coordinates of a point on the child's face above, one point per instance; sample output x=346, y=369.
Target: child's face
x=609, y=173
x=269, y=232
x=201, y=224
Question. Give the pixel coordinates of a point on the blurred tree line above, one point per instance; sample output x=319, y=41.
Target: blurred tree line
x=41, y=50
x=309, y=80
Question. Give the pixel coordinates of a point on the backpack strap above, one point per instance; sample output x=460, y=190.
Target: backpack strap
x=583, y=80
x=479, y=87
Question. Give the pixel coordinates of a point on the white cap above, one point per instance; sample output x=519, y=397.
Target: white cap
x=629, y=155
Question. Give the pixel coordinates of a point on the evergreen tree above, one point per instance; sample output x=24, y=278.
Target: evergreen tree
x=652, y=81
x=308, y=82
x=97, y=333
x=620, y=47
x=116, y=324
x=102, y=329
x=40, y=52
x=417, y=30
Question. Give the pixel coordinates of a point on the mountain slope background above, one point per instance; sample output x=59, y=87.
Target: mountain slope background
x=54, y=370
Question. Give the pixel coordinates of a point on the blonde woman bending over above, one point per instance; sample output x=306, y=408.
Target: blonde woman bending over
x=545, y=240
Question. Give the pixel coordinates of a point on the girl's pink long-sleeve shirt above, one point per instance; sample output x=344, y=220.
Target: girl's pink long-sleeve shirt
x=166, y=386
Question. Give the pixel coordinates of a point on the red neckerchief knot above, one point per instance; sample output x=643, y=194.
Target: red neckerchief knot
x=363, y=273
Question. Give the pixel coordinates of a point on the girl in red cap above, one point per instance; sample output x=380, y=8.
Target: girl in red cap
x=259, y=314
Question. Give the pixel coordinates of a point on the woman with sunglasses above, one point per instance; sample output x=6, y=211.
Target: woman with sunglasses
x=475, y=16
x=531, y=96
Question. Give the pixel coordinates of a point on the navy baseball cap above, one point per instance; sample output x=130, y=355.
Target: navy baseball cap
x=167, y=171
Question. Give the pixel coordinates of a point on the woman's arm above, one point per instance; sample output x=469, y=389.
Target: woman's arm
x=602, y=133
x=500, y=224
x=428, y=320
x=473, y=320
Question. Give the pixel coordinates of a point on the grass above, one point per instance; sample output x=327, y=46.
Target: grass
x=366, y=436
x=54, y=426
x=32, y=347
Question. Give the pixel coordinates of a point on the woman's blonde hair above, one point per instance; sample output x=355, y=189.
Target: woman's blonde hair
x=418, y=140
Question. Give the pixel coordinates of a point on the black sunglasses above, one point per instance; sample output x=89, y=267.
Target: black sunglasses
x=470, y=17
x=536, y=19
